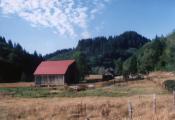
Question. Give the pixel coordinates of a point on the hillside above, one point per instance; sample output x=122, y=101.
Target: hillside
x=159, y=54
x=102, y=52
x=128, y=53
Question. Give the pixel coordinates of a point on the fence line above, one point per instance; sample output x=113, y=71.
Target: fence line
x=174, y=100
x=130, y=110
x=105, y=111
x=154, y=103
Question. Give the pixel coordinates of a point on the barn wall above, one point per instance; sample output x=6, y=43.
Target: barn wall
x=49, y=80
x=71, y=76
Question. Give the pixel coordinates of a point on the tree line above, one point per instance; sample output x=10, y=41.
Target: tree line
x=159, y=54
x=128, y=54
x=16, y=64
x=95, y=55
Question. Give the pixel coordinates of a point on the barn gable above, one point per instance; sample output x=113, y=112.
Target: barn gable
x=56, y=73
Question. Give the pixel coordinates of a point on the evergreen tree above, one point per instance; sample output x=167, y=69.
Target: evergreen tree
x=81, y=64
x=118, y=66
x=16, y=64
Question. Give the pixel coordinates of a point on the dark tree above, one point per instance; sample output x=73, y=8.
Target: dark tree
x=16, y=64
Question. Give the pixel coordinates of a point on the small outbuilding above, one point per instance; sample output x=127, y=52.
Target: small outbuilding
x=53, y=73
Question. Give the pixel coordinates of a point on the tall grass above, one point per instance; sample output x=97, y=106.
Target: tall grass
x=94, y=108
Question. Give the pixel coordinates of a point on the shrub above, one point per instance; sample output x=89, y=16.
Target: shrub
x=170, y=85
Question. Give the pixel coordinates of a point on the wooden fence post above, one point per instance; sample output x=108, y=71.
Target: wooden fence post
x=154, y=103
x=174, y=99
x=130, y=110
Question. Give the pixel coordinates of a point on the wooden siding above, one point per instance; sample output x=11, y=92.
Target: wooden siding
x=70, y=77
x=49, y=80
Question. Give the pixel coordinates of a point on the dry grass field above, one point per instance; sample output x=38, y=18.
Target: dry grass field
x=95, y=108
x=160, y=77
x=18, y=84
x=139, y=93
x=94, y=77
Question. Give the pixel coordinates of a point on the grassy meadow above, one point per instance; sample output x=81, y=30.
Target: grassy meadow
x=117, y=90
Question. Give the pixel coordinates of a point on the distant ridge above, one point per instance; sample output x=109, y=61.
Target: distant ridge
x=103, y=51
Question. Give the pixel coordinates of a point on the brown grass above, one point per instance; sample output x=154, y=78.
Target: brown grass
x=18, y=84
x=160, y=77
x=94, y=77
x=95, y=108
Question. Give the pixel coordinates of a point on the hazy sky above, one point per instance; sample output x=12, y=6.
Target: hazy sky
x=48, y=25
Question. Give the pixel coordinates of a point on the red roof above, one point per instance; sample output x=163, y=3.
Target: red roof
x=53, y=67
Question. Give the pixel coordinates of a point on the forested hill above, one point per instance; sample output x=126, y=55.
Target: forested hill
x=15, y=63
x=128, y=53
x=159, y=54
x=103, y=52
x=101, y=45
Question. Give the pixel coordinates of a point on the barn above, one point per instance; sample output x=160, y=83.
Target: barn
x=53, y=73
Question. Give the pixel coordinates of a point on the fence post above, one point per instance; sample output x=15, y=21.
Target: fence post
x=130, y=110
x=174, y=99
x=154, y=103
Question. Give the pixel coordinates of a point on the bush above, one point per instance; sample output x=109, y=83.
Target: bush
x=170, y=85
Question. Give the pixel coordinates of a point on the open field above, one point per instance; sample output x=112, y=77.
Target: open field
x=95, y=108
x=18, y=84
x=160, y=77
x=140, y=87
x=103, y=103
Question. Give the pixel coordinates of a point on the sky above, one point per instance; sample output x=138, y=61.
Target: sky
x=49, y=25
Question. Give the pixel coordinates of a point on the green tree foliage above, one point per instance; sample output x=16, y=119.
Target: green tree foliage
x=149, y=56
x=170, y=85
x=118, y=66
x=159, y=54
x=81, y=64
x=169, y=52
x=103, y=52
x=130, y=65
x=15, y=63
x=61, y=54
